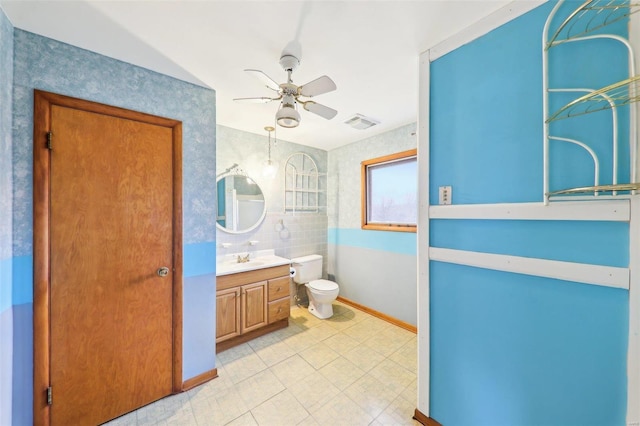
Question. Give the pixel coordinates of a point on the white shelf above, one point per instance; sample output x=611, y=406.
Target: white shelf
x=302, y=185
x=310, y=174
x=305, y=209
x=590, y=17
x=585, y=25
x=312, y=191
x=615, y=95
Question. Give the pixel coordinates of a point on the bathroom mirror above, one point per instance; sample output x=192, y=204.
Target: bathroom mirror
x=241, y=204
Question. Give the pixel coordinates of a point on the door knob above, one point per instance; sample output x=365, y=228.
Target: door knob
x=163, y=272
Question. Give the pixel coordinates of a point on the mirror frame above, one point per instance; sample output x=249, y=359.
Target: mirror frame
x=238, y=173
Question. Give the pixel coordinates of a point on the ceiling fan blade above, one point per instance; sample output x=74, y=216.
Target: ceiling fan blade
x=260, y=100
x=317, y=87
x=321, y=110
x=265, y=79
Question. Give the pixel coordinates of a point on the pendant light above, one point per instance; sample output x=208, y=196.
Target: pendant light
x=269, y=167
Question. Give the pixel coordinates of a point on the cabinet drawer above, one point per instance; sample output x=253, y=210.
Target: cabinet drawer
x=279, y=310
x=248, y=277
x=278, y=288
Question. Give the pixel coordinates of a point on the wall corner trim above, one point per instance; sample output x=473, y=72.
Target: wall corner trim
x=425, y=420
x=422, y=236
x=483, y=26
x=388, y=318
x=633, y=348
x=199, y=379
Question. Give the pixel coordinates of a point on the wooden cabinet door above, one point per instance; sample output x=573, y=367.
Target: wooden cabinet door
x=254, y=306
x=227, y=314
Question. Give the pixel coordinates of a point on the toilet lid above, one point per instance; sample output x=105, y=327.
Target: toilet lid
x=324, y=285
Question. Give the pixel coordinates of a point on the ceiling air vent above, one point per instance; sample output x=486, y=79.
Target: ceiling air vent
x=361, y=122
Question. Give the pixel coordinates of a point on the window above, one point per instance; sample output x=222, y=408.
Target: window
x=390, y=192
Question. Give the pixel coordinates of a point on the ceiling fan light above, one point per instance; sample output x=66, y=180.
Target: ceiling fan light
x=287, y=116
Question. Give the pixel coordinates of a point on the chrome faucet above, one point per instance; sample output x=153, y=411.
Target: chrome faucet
x=242, y=259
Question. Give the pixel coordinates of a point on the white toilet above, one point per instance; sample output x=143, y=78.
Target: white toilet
x=321, y=292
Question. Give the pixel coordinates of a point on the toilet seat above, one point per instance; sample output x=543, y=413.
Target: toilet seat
x=323, y=285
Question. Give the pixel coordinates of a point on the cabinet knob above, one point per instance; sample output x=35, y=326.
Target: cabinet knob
x=278, y=288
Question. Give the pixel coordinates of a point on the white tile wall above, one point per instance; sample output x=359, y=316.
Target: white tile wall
x=290, y=236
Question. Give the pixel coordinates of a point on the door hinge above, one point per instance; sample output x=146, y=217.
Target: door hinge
x=49, y=135
x=49, y=398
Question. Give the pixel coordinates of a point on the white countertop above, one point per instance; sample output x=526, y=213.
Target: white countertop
x=228, y=264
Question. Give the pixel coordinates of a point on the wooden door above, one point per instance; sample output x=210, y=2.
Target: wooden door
x=227, y=314
x=111, y=206
x=254, y=306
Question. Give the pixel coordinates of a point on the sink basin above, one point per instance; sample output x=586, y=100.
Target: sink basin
x=235, y=262
x=228, y=264
x=249, y=264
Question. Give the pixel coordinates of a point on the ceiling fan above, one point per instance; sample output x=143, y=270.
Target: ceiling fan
x=291, y=95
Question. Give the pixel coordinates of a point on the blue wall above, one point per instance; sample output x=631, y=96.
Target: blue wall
x=393, y=242
x=6, y=213
x=41, y=63
x=486, y=102
x=510, y=349
x=593, y=242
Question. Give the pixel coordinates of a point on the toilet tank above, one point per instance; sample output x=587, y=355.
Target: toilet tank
x=308, y=268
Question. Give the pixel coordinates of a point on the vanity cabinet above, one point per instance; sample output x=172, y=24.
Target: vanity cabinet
x=250, y=304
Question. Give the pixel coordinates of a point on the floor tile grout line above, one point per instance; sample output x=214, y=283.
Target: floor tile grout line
x=284, y=390
x=320, y=333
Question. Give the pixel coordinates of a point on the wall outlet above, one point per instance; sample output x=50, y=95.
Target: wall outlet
x=444, y=195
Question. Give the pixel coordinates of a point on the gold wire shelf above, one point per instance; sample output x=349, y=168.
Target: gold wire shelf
x=606, y=13
x=615, y=95
x=597, y=188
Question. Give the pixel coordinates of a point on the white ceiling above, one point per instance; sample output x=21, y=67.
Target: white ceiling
x=369, y=48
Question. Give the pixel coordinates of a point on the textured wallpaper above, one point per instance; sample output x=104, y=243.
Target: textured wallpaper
x=344, y=173
x=6, y=272
x=6, y=77
x=49, y=65
x=289, y=235
x=249, y=150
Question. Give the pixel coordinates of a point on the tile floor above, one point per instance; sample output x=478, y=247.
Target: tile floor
x=352, y=369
